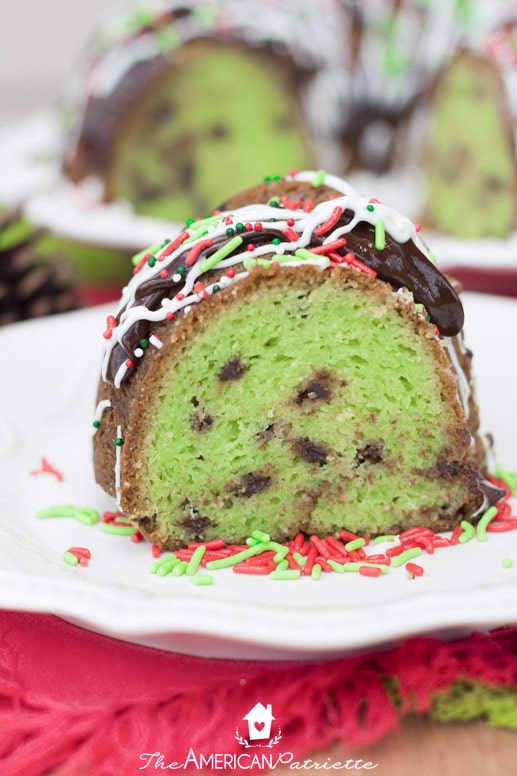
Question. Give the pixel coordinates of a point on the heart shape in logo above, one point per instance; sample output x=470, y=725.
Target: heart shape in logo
x=260, y=726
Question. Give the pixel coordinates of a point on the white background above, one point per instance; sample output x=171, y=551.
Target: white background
x=40, y=42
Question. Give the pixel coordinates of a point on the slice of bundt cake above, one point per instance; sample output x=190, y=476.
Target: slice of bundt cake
x=293, y=362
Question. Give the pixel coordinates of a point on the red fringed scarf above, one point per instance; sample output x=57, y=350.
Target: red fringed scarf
x=74, y=702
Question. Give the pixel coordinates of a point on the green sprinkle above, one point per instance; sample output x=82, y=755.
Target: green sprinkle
x=252, y=263
x=151, y=261
x=399, y=560
x=144, y=343
x=215, y=289
x=70, y=558
x=167, y=568
x=252, y=542
x=468, y=532
x=61, y=510
x=86, y=515
x=239, y=227
x=96, y=423
x=223, y=563
x=482, y=525
x=118, y=530
x=276, y=241
x=118, y=441
x=338, y=567
x=316, y=571
x=202, y=579
x=510, y=478
x=507, y=563
x=261, y=536
x=230, y=232
x=305, y=255
x=380, y=235
x=354, y=544
x=195, y=560
x=180, y=569
x=137, y=258
x=285, y=574
x=274, y=202
x=280, y=555
x=182, y=271
x=189, y=222
x=221, y=254
x=319, y=178
x=267, y=179
x=385, y=538
x=164, y=565
x=355, y=566
x=300, y=559
x=283, y=565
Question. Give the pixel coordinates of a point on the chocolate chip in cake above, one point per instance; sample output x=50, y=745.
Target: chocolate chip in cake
x=201, y=422
x=195, y=522
x=232, y=370
x=449, y=469
x=310, y=451
x=253, y=483
x=371, y=452
x=316, y=389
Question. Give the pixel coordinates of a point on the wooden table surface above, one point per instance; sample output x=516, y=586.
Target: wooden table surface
x=425, y=748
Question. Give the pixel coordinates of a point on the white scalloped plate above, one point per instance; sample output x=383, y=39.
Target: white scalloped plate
x=47, y=390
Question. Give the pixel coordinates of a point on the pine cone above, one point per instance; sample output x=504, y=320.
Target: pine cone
x=32, y=283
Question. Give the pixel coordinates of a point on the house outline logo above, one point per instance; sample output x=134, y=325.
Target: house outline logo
x=259, y=719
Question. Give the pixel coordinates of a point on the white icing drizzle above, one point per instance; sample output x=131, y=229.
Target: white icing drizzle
x=99, y=411
x=463, y=384
x=118, y=453
x=303, y=223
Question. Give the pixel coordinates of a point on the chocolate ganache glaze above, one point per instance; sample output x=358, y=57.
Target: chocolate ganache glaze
x=305, y=218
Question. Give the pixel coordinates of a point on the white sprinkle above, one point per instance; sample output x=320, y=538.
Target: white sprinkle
x=139, y=352
x=156, y=341
x=176, y=278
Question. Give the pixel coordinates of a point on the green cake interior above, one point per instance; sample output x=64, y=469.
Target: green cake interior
x=315, y=405
x=470, y=169
x=222, y=118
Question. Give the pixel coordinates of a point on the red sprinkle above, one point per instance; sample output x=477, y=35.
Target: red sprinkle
x=194, y=252
x=155, y=550
x=499, y=526
x=240, y=568
x=369, y=571
x=169, y=316
x=330, y=222
x=141, y=263
x=414, y=568
x=347, y=536
x=179, y=240
x=291, y=235
x=200, y=290
x=163, y=274
x=328, y=248
x=230, y=273
x=308, y=205
x=47, y=468
x=137, y=537
x=111, y=322
x=456, y=534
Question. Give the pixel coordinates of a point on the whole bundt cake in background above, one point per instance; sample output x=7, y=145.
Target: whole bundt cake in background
x=180, y=103
x=294, y=362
